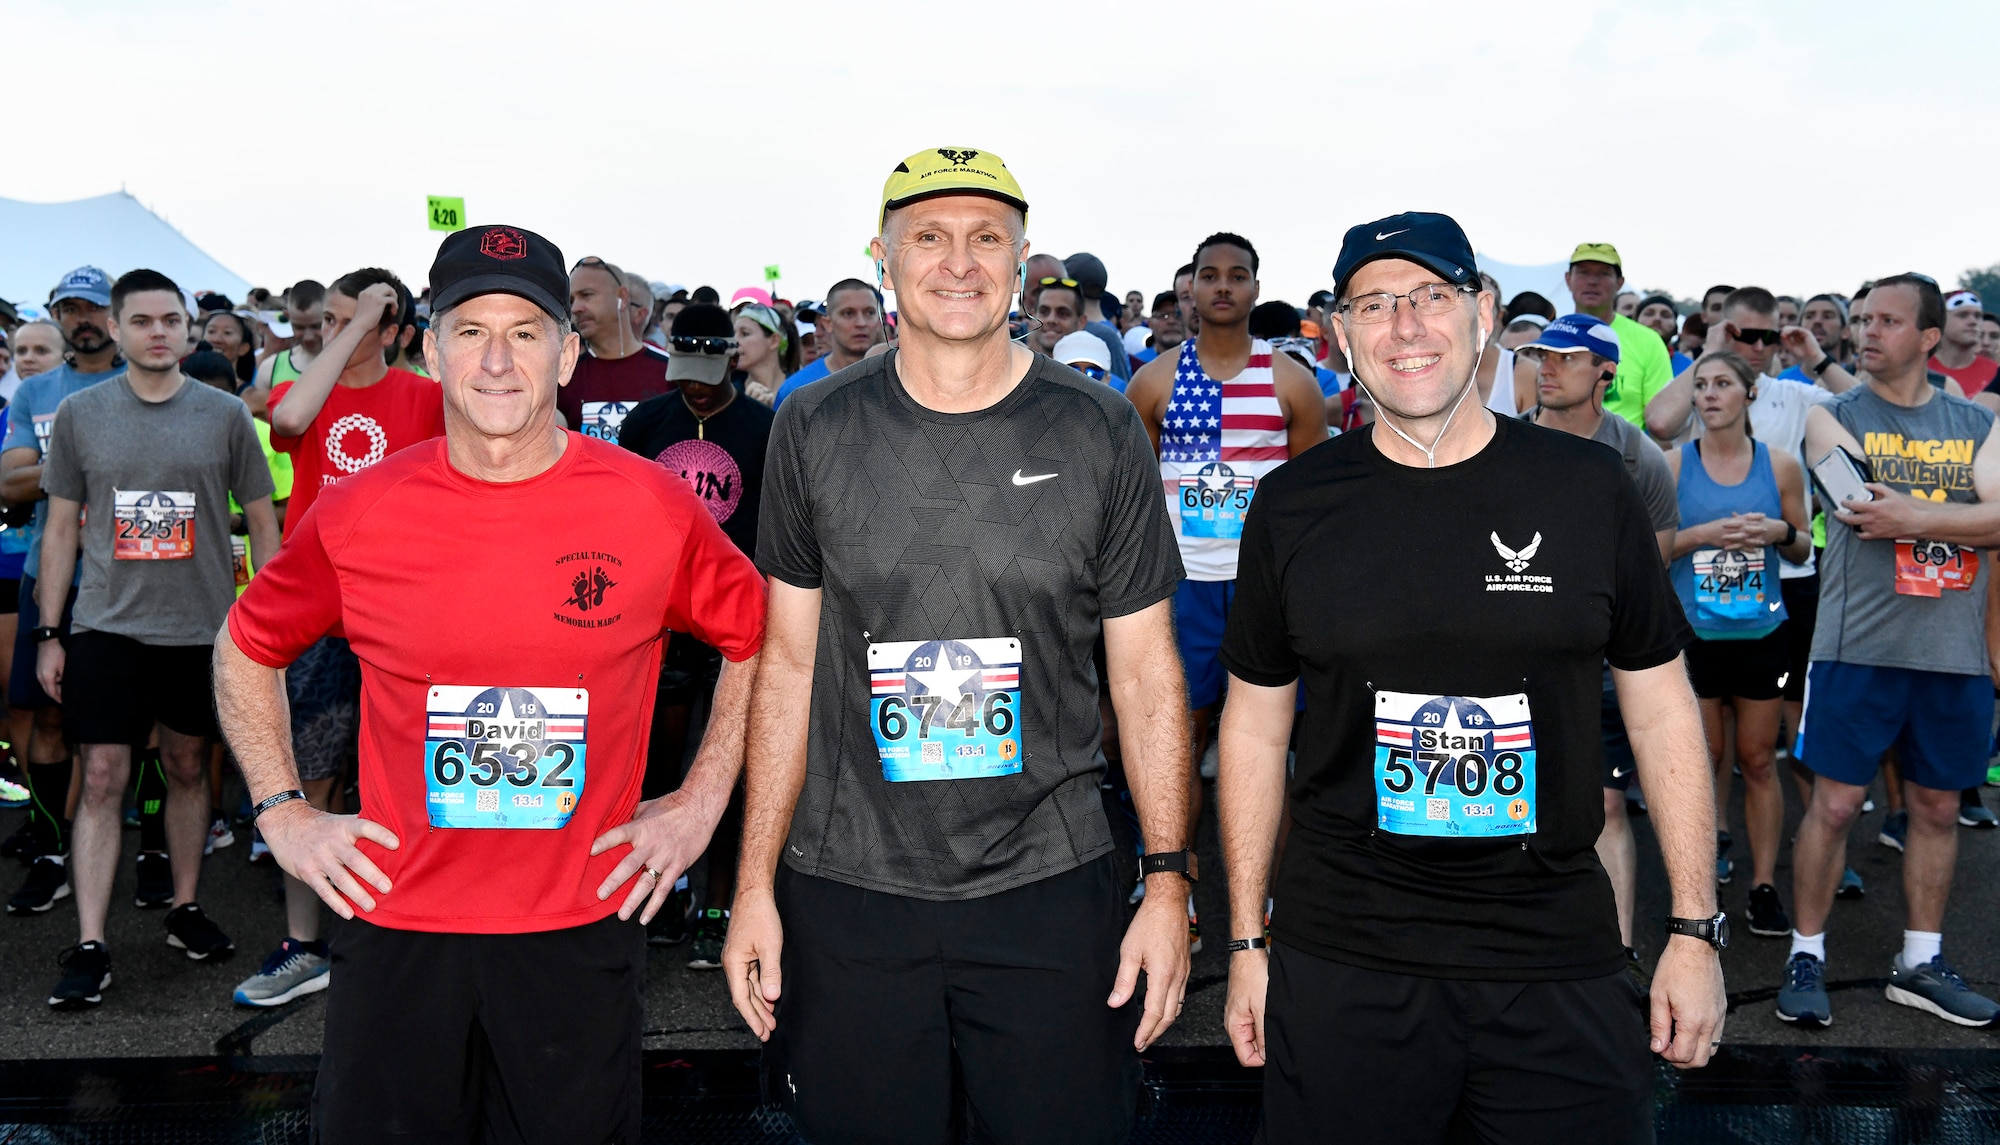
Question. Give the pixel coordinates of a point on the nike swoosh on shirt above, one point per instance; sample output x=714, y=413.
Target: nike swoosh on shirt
x=1620, y=772
x=1776, y=605
x=1392, y=234
x=1020, y=480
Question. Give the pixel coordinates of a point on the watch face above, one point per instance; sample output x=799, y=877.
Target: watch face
x=1721, y=931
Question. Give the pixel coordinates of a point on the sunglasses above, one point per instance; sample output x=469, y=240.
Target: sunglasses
x=690, y=344
x=1757, y=337
x=1069, y=282
x=1093, y=372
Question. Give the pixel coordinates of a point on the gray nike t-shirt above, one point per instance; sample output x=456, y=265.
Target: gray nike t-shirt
x=966, y=563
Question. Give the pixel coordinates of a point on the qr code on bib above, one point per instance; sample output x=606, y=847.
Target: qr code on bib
x=1437, y=809
x=933, y=752
x=488, y=801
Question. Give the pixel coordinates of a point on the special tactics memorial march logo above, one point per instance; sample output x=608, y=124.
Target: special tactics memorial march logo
x=588, y=582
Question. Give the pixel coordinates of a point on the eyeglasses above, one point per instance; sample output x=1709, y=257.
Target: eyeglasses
x=690, y=344
x=1757, y=337
x=1069, y=282
x=1429, y=301
x=1088, y=370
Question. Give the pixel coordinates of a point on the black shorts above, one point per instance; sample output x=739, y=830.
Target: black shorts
x=1740, y=669
x=114, y=688
x=1619, y=762
x=482, y=1037
x=1365, y=1056
x=882, y=992
x=23, y=689
x=1801, y=595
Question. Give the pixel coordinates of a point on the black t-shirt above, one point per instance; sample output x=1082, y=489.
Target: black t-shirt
x=966, y=562
x=1399, y=594
x=723, y=460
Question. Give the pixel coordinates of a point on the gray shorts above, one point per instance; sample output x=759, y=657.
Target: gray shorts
x=324, y=687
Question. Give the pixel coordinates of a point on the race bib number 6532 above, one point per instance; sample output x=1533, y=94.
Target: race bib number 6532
x=1454, y=766
x=503, y=756
x=946, y=709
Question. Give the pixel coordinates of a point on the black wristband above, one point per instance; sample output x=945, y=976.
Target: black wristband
x=44, y=633
x=1791, y=534
x=273, y=801
x=1236, y=944
x=1825, y=360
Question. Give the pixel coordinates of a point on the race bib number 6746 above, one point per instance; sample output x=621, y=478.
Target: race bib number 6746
x=504, y=756
x=1454, y=766
x=946, y=709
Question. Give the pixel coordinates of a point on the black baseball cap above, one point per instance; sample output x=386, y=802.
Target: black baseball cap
x=500, y=260
x=1088, y=271
x=1431, y=240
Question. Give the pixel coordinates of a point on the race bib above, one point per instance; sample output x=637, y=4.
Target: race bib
x=239, y=556
x=504, y=757
x=1214, y=499
x=946, y=709
x=1729, y=584
x=1928, y=568
x=152, y=525
x=602, y=419
x=1454, y=766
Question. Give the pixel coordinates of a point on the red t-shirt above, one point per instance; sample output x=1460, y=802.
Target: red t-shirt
x=603, y=390
x=355, y=429
x=563, y=584
x=1973, y=378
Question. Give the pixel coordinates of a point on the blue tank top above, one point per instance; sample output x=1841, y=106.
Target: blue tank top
x=1729, y=594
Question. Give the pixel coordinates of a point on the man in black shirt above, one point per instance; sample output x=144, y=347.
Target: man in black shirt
x=948, y=528
x=1445, y=952
x=714, y=437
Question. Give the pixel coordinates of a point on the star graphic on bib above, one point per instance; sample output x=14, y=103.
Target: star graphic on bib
x=943, y=682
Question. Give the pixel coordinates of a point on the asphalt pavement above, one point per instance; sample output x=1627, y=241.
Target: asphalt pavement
x=162, y=1004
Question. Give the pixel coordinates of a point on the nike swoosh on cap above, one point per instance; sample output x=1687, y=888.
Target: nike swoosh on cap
x=1392, y=234
x=1020, y=480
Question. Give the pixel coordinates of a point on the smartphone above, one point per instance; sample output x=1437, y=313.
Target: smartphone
x=1841, y=478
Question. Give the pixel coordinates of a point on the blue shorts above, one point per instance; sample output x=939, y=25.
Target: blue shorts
x=1940, y=723
x=1201, y=612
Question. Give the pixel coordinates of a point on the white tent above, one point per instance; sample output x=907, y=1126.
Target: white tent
x=41, y=242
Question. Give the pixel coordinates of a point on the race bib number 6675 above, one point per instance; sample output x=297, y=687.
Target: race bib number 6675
x=1454, y=766
x=503, y=756
x=946, y=709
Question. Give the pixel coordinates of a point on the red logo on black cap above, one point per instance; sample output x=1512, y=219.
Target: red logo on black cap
x=503, y=243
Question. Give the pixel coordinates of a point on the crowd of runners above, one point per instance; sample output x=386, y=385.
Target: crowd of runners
x=889, y=602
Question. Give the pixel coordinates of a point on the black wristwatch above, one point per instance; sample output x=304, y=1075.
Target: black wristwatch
x=1714, y=931
x=1791, y=534
x=38, y=635
x=1181, y=863
x=1825, y=360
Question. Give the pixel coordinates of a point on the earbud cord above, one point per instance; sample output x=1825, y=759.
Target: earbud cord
x=1429, y=451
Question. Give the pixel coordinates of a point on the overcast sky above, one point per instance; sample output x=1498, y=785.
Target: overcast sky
x=1801, y=146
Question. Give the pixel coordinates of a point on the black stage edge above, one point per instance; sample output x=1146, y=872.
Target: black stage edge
x=1748, y=1096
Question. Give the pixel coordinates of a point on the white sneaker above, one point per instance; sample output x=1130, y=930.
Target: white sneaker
x=1210, y=758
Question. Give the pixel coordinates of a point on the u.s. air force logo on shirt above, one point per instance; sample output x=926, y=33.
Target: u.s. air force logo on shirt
x=1517, y=578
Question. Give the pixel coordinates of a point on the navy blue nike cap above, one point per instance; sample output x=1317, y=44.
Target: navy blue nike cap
x=1431, y=240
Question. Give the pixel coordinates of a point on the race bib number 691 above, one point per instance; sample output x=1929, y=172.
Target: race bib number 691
x=504, y=756
x=1454, y=766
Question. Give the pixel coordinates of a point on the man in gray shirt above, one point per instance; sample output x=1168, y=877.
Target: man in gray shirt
x=148, y=460
x=1577, y=356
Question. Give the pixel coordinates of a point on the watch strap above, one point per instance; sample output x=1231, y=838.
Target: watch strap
x=273, y=801
x=45, y=632
x=1236, y=944
x=1172, y=862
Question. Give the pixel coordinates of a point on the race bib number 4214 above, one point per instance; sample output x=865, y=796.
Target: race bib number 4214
x=946, y=709
x=504, y=756
x=1454, y=766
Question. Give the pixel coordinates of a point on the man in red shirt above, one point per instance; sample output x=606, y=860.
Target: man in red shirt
x=347, y=411
x=619, y=368
x=506, y=589
x=1957, y=356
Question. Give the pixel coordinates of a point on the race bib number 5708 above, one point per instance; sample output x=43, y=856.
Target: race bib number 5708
x=502, y=756
x=946, y=709
x=1454, y=766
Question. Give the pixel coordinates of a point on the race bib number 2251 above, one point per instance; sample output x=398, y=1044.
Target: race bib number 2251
x=1454, y=766
x=946, y=709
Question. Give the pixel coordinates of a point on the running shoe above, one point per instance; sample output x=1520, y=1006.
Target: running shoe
x=1723, y=867
x=156, y=881
x=260, y=851
x=711, y=928
x=671, y=927
x=86, y=972
x=1211, y=759
x=219, y=835
x=1972, y=813
x=47, y=882
x=1936, y=988
x=1194, y=929
x=21, y=844
x=13, y=794
x=1138, y=894
x=1867, y=805
x=1851, y=886
x=1802, y=998
x=190, y=930
x=1767, y=914
x=1993, y=776
x=293, y=970
x=1895, y=828
x=131, y=818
